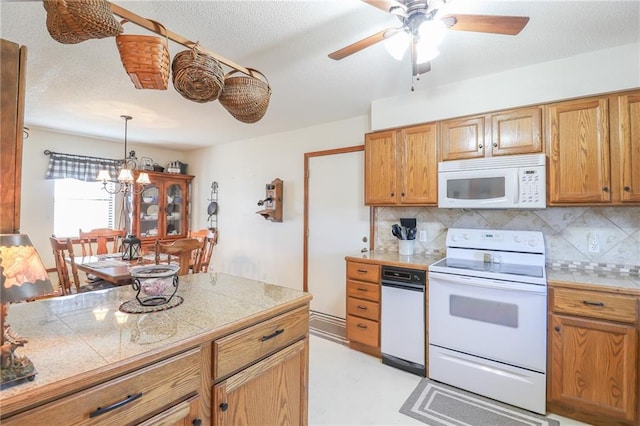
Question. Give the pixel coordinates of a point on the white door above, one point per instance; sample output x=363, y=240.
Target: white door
x=338, y=222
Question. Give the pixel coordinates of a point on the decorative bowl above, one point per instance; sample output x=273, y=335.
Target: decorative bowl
x=157, y=282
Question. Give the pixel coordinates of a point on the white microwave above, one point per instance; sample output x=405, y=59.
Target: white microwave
x=507, y=182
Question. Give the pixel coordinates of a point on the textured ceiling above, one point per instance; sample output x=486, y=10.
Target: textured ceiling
x=83, y=88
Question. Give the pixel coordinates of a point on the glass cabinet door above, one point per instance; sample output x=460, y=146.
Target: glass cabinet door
x=149, y=211
x=175, y=210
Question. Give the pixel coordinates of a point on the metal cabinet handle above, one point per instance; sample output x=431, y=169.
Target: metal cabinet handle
x=362, y=289
x=362, y=308
x=402, y=194
x=479, y=146
x=586, y=302
x=557, y=328
x=626, y=188
x=605, y=189
x=495, y=144
x=196, y=422
x=393, y=194
x=224, y=406
x=272, y=335
x=128, y=399
x=362, y=326
x=362, y=271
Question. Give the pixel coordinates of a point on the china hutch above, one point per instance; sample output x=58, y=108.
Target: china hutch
x=161, y=209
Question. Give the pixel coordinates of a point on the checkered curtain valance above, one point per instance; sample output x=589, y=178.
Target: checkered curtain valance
x=69, y=166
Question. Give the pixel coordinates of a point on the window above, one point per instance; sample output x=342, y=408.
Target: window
x=81, y=205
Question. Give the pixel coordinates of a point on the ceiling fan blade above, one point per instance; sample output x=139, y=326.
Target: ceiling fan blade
x=390, y=6
x=495, y=24
x=363, y=44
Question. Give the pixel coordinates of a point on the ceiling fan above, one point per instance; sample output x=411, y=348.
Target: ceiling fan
x=423, y=29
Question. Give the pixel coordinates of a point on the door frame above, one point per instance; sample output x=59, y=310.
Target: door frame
x=305, y=250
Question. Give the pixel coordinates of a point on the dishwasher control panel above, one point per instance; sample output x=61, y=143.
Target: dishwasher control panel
x=393, y=274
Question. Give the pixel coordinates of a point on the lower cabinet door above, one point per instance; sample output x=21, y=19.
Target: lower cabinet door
x=593, y=370
x=270, y=392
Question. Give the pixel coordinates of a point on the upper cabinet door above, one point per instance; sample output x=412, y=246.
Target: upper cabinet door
x=380, y=168
x=463, y=138
x=579, y=151
x=517, y=132
x=629, y=134
x=418, y=173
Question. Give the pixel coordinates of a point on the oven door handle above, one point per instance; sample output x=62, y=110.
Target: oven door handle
x=486, y=283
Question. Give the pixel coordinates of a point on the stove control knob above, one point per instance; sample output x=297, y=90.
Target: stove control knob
x=465, y=236
x=454, y=237
x=516, y=238
x=533, y=243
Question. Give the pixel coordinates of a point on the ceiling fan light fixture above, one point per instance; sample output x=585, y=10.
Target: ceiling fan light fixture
x=425, y=52
x=397, y=44
x=432, y=32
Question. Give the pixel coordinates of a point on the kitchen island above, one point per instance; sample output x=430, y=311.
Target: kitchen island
x=229, y=338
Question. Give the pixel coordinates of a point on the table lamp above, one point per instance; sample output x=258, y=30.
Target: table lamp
x=22, y=277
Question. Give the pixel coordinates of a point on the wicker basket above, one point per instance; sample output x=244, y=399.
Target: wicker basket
x=146, y=59
x=73, y=21
x=197, y=76
x=246, y=97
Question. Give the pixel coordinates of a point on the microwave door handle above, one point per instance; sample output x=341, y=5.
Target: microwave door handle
x=516, y=196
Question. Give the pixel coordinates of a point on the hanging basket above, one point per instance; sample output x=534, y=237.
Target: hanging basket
x=146, y=59
x=74, y=21
x=246, y=97
x=197, y=76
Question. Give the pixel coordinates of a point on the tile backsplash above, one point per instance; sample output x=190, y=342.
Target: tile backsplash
x=568, y=231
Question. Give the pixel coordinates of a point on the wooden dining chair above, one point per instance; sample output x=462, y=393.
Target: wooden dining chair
x=210, y=239
x=184, y=250
x=106, y=240
x=63, y=249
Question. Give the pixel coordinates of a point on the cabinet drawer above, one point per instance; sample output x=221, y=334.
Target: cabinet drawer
x=593, y=304
x=363, y=272
x=363, y=330
x=240, y=349
x=148, y=390
x=362, y=290
x=363, y=308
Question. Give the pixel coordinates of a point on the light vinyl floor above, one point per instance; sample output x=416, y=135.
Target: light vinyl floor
x=347, y=387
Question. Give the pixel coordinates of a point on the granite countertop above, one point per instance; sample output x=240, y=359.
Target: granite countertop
x=416, y=260
x=615, y=280
x=611, y=280
x=75, y=334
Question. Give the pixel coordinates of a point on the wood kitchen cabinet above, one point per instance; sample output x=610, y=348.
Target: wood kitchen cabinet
x=161, y=210
x=401, y=166
x=628, y=136
x=244, y=379
x=363, y=307
x=167, y=391
x=593, y=356
x=12, y=74
x=579, y=151
x=511, y=132
x=594, y=150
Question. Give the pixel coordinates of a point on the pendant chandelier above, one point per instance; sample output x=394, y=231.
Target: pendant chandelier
x=125, y=177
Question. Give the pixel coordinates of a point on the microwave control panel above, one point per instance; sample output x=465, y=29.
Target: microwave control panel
x=533, y=191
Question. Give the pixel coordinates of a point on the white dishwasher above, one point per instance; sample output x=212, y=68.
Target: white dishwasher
x=402, y=322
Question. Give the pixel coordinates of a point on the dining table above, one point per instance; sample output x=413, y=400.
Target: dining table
x=111, y=267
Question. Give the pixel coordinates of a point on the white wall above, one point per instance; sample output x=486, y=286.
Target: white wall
x=248, y=244
x=36, y=209
x=591, y=73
